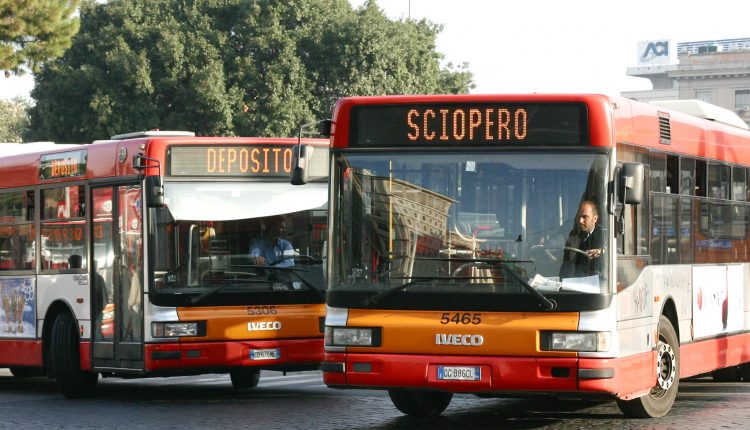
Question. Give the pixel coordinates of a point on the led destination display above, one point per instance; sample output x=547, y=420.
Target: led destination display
x=230, y=160
x=553, y=124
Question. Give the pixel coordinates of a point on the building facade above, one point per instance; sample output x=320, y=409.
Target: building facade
x=716, y=72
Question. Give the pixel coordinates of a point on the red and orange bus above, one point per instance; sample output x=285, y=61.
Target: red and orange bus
x=133, y=257
x=453, y=224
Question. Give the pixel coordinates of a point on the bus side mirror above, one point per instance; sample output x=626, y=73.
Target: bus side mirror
x=631, y=180
x=154, y=192
x=300, y=157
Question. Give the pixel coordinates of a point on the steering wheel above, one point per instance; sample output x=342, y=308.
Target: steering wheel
x=546, y=251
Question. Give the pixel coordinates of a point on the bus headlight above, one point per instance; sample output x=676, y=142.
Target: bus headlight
x=575, y=341
x=178, y=329
x=352, y=336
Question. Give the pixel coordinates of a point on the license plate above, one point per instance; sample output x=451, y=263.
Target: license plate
x=459, y=373
x=265, y=354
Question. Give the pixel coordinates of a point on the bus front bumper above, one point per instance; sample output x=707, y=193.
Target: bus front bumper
x=265, y=353
x=619, y=377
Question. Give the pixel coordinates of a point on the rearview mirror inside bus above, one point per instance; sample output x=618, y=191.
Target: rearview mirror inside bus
x=631, y=180
x=154, y=192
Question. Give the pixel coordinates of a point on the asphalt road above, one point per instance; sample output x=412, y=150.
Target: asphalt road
x=302, y=401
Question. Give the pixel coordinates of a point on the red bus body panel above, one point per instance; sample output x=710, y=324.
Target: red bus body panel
x=234, y=353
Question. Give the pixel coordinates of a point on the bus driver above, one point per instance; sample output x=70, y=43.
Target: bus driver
x=585, y=245
x=271, y=249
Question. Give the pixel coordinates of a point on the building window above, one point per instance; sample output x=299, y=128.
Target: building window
x=742, y=98
x=703, y=95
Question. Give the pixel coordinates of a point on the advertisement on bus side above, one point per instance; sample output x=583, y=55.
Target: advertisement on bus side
x=18, y=312
x=717, y=299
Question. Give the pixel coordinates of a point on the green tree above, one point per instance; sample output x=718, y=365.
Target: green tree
x=230, y=67
x=33, y=32
x=14, y=119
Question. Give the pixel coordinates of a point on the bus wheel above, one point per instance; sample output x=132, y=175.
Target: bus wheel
x=27, y=372
x=727, y=374
x=66, y=361
x=243, y=378
x=420, y=403
x=661, y=397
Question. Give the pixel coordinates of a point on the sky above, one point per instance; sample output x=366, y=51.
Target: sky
x=518, y=46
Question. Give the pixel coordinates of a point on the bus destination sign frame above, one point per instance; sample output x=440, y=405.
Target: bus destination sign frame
x=469, y=124
x=241, y=161
x=70, y=164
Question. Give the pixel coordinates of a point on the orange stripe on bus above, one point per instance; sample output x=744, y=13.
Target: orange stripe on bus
x=506, y=333
x=256, y=322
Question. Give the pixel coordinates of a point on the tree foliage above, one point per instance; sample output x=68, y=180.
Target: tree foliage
x=14, y=119
x=33, y=32
x=230, y=67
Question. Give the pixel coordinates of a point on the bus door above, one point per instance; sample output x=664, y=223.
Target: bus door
x=117, y=273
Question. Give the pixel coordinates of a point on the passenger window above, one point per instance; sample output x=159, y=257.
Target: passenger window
x=738, y=183
x=673, y=175
x=665, y=229
x=658, y=173
x=687, y=177
x=718, y=181
x=700, y=178
x=686, y=229
x=63, y=203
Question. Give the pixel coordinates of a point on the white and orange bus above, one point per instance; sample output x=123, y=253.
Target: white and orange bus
x=453, y=228
x=133, y=257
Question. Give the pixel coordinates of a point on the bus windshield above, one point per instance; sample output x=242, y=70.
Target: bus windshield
x=233, y=243
x=428, y=227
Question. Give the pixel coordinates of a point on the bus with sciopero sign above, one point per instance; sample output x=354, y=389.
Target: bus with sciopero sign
x=512, y=245
x=137, y=256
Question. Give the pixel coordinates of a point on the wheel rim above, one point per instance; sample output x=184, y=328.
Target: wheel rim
x=666, y=370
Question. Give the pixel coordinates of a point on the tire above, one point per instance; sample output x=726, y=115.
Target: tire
x=66, y=360
x=27, y=372
x=727, y=374
x=660, y=399
x=423, y=404
x=244, y=378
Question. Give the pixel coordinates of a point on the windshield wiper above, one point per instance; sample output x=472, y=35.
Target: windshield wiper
x=293, y=270
x=374, y=299
x=214, y=290
x=547, y=304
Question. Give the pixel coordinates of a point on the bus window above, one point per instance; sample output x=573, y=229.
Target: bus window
x=687, y=176
x=738, y=183
x=658, y=173
x=664, y=226
x=63, y=203
x=700, y=178
x=718, y=181
x=635, y=237
x=673, y=174
x=686, y=230
x=17, y=207
x=60, y=240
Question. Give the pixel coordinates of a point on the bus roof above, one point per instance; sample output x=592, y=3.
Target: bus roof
x=30, y=147
x=702, y=132
x=108, y=158
x=703, y=110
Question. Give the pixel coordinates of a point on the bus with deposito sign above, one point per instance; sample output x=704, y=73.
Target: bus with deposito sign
x=463, y=259
x=137, y=256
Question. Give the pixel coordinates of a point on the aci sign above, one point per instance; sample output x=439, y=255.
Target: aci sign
x=653, y=52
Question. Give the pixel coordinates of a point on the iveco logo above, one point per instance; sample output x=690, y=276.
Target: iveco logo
x=459, y=339
x=265, y=325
